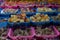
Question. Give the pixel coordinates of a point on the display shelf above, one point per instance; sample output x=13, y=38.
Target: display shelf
x=20, y=16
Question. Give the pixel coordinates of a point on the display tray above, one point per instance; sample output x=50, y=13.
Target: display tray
x=3, y=24
x=51, y=34
x=29, y=33
x=57, y=28
x=3, y=33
